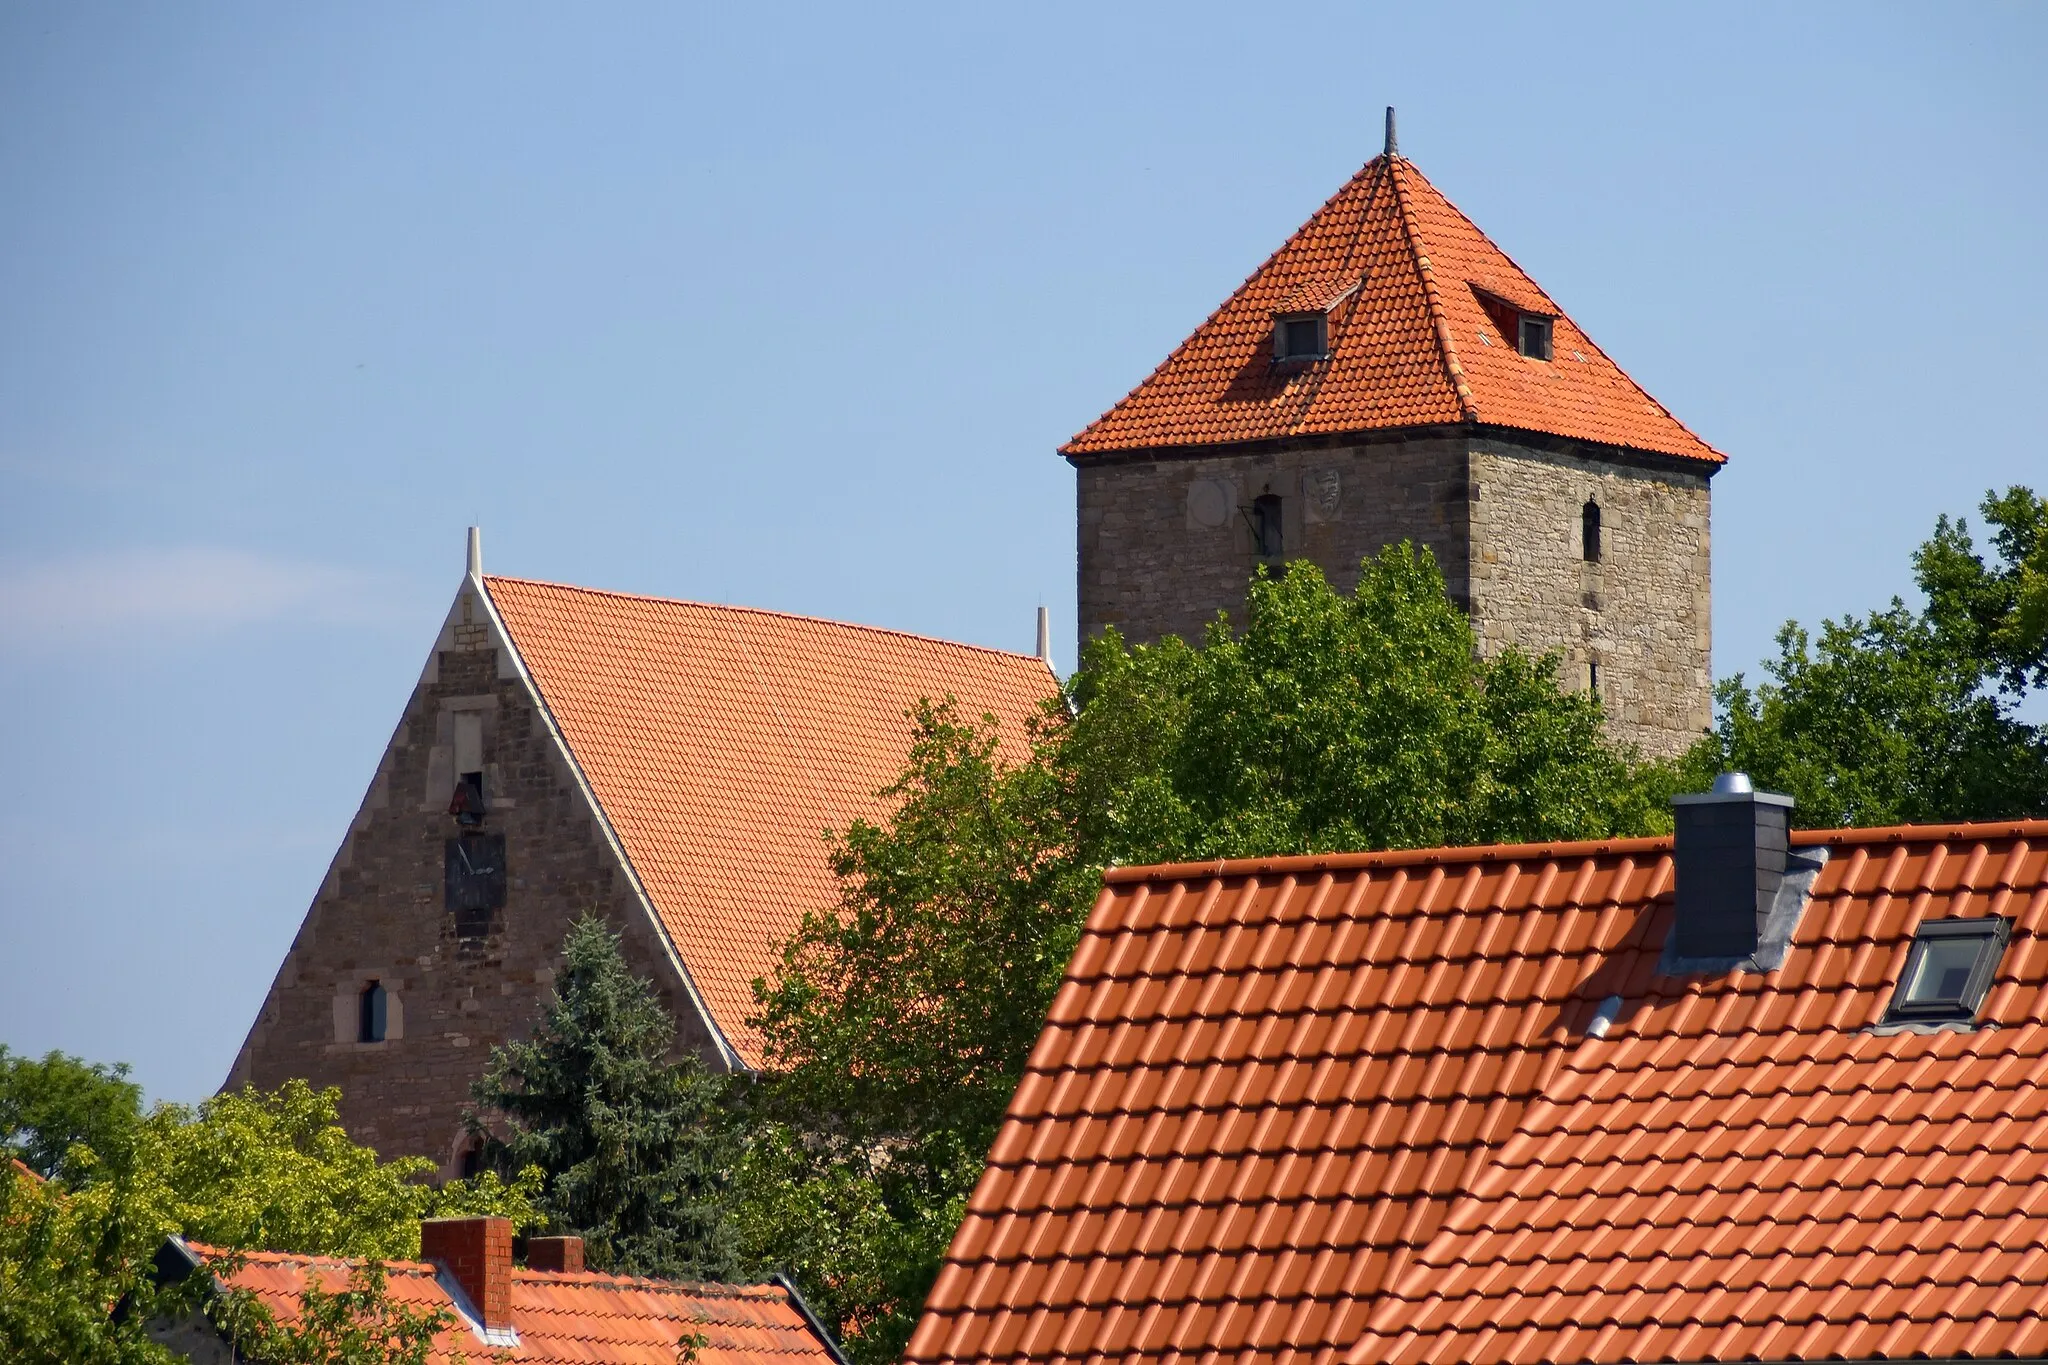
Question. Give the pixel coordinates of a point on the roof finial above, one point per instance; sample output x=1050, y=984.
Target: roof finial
x=1393, y=147
x=474, y=560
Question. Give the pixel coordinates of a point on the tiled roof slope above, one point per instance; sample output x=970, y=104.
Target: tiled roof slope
x=573, y=1316
x=722, y=741
x=1347, y=1108
x=1415, y=346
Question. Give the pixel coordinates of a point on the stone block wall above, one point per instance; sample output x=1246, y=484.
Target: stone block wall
x=1165, y=543
x=1641, y=617
x=380, y=915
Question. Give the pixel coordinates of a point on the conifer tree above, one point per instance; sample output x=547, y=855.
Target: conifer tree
x=635, y=1146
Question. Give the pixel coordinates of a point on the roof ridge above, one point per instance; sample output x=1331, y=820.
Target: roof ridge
x=1282, y=864
x=1228, y=299
x=761, y=611
x=1556, y=307
x=701, y=1289
x=1439, y=324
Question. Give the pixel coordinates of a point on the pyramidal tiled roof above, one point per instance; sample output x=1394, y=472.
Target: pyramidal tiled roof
x=1350, y=1110
x=1407, y=281
x=721, y=742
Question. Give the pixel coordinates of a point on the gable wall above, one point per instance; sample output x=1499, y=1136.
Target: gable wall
x=380, y=915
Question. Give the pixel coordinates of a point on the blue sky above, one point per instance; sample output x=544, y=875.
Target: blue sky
x=791, y=307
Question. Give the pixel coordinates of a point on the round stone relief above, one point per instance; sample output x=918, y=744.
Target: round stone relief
x=1209, y=502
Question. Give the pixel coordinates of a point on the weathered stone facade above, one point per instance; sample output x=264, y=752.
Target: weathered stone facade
x=380, y=914
x=1169, y=538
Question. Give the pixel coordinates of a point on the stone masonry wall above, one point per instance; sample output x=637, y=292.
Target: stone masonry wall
x=1167, y=543
x=380, y=916
x=1642, y=615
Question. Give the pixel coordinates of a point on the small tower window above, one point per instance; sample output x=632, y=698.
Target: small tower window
x=1589, y=532
x=1265, y=521
x=1533, y=339
x=1300, y=336
x=374, y=1014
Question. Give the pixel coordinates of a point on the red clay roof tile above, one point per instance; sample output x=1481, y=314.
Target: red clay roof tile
x=721, y=742
x=1421, y=332
x=1738, y=1167
x=563, y=1317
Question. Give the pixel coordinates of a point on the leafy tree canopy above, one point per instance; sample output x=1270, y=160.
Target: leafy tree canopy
x=635, y=1147
x=898, y=1025
x=47, y=1106
x=1904, y=715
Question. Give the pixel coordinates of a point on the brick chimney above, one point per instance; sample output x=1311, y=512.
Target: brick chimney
x=554, y=1253
x=477, y=1253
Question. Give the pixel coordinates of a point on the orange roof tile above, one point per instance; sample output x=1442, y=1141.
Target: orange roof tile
x=1347, y=1108
x=582, y=1317
x=1414, y=346
x=722, y=742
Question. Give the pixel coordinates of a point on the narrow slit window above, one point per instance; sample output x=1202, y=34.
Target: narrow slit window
x=1266, y=526
x=1589, y=531
x=375, y=1014
x=1949, y=970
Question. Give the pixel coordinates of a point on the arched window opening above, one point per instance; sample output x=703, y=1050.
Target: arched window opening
x=1589, y=531
x=1266, y=525
x=375, y=1010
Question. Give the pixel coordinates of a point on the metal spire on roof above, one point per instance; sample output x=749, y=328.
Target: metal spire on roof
x=1393, y=147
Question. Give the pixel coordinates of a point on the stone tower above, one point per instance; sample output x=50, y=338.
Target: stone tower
x=1390, y=374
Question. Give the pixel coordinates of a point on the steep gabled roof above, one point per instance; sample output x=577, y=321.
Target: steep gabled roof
x=1414, y=346
x=580, y=1317
x=1349, y=1108
x=721, y=742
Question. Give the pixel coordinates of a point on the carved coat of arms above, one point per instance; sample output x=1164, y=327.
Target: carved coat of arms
x=1323, y=490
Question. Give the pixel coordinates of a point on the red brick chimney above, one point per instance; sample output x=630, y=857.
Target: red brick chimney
x=478, y=1253
x=554, y=1253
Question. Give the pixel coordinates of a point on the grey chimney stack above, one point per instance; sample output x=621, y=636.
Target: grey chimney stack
x=1730, y=854
x=1045, y=636
x=1393, y=147
x=475, y=560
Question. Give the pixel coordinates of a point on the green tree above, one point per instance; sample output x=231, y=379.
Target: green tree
x=636, y=1148
x=75, y=1287
x=275, y=1171
x=1904, y=715
x=47, y=1106
x=248, y=1170
x=898, y=1024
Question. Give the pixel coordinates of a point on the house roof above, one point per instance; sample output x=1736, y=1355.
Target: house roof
x=721, y=742
x=583, y=1317
x=1349, y=1109
x=1416, y=346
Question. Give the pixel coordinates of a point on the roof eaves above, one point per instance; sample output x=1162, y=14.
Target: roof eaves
x=728, y=1053
x=1439, y=323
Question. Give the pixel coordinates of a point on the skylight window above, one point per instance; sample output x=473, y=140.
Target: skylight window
x=1948, y=970
x=1533, y=339
x=1301, y=336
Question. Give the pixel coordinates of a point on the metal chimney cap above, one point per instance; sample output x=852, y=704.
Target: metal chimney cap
x=1732, y=784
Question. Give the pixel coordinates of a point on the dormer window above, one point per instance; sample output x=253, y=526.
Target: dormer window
x=1949, y=970
x=1533, y=337
x=1301, y=336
